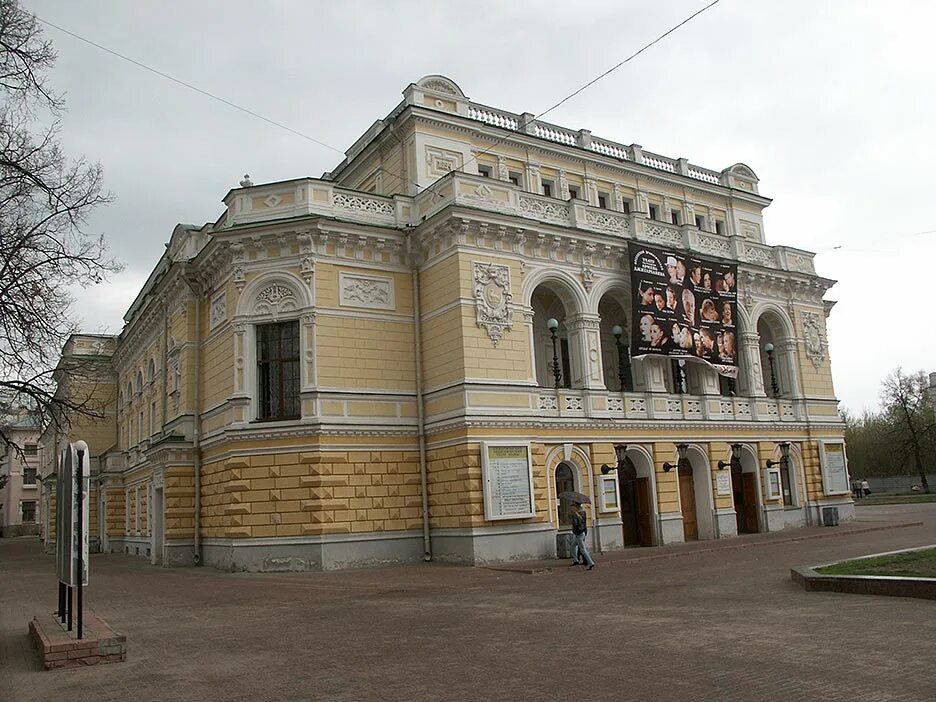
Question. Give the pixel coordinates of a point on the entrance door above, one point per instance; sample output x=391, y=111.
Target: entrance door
x=158, y=524
x=749, y=485
x=687, y=497
x=644, y=513
x=629, y=512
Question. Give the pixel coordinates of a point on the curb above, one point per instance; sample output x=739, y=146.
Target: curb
x=883, y=585
x=543, y=569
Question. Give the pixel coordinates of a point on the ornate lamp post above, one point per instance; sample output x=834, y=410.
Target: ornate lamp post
x=735, y=458
x=620, y=452
x=553, y=324
x=682, y=451
x=624, y=366
x=769, y=350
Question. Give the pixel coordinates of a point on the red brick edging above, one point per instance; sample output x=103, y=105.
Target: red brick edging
x=59, y=648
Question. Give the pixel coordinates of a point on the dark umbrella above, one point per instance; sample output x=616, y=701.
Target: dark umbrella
x=573, y=496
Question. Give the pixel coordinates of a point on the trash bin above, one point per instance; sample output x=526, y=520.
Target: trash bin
x=564, y=545
x=830, y=516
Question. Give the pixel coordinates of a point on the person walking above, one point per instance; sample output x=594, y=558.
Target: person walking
x=866, y=488
x=580, y=554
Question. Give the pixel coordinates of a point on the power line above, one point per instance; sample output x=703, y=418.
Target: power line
x=399, y=176
x=522, y=127
x=189, y=85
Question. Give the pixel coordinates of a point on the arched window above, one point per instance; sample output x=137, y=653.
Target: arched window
x=139, y=382
x=615, y=350
x=777, y=351
x=547, y=306
x=151, y=371
x=565, y=482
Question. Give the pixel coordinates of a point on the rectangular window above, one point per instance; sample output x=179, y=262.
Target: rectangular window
x=127, y=512
x=484, y=171
x=548, y=188
x=153, y=417
x=626, y=206
x=515, y=178
x=29, y=511
x=31, y=450
x=573, y=192
x=566, y=381
x=719, y=227
x=136, y=511
x=700, y=222
x=29, y=475
x=602, y=201
x=674, y=216
x=278, y=370
x=141, y=427
x=654, y=212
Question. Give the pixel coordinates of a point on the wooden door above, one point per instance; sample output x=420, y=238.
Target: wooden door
x=749, y=488
x=644, y=513
x=687, y=497
x=628, y=512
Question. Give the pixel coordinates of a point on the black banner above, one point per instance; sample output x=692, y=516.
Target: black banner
x=684, y=307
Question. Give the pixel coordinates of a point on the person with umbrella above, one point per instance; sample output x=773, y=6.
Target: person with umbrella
x=580, y=554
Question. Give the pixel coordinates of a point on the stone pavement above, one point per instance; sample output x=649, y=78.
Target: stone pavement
x=699, y=622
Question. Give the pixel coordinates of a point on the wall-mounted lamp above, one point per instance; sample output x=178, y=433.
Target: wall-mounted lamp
x=784, y=455
x=620, y=452
x=735, y=458
x=553, y=324
x=682, y=450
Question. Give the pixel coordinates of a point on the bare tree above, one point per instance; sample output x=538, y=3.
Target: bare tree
x=45, y=200
x=912, y=424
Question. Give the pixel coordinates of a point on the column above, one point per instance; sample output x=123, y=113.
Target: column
x=585, y=348
x=787, y=362
x=751, y=365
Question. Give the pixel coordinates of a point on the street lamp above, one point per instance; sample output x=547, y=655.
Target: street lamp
x=735, y=458
x=784, y=455
x=620, y=452
x=681, y=450
x=624, y=367
x=769, y=350
x=553, y=324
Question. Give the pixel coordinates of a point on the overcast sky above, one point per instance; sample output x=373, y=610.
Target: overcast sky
x=831, y=103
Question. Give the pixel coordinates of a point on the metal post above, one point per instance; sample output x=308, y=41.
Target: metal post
x=61, y=601
x=80, y=573
x=557, y=372
x=70, y=603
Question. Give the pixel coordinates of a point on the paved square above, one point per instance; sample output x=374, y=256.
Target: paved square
x=699, y=622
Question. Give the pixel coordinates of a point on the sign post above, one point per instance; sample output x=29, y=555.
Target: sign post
x=72, y=539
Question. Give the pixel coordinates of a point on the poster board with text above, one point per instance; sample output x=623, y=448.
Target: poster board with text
x=508, y=481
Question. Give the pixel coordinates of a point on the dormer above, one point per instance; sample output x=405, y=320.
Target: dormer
x=438, y=93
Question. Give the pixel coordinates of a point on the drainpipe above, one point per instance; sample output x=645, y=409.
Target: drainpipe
x=196, y=438
x=420, y=415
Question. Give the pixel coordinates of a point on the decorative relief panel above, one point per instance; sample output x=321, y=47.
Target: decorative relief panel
x=608, y=222
x=492, y=298
x=358, y=290
x=573, y=403
x=711, y=244
x=815, y=340
x=615, y=404
x=545, y=211
x=441, y=162
x=275, y=299
x=800, y=264
x=547, y=402
x=750, y=230
x=218, y=311
x=664, y=235
x=362, y=204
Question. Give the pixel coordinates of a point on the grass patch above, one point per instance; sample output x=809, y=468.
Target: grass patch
x=895, y=499
x=911, y=564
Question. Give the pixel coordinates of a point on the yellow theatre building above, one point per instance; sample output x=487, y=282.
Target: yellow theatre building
x=412, y=356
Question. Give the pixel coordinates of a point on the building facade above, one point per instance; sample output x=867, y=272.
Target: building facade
x=362, y=368
x=20, y=510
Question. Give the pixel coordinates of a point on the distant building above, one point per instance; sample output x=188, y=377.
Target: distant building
x=416, y=354
x=20, y=512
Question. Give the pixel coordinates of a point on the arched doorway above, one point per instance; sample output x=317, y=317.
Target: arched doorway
x=635, y=484
x=746, y=492
x=695, y=496
x=615, y=362
x=547, y=305
x=776, y=354
x=564, y=482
